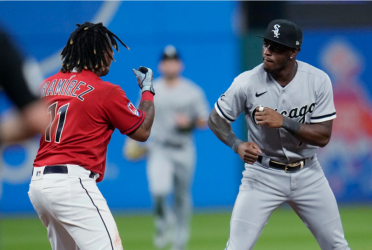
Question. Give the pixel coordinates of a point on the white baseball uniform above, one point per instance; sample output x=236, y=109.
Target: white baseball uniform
x=171, y=153
x=308, y=98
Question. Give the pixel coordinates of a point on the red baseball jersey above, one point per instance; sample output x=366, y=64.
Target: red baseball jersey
x=84, y=112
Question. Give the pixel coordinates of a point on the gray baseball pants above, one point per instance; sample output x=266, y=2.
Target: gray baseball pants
x=307, y=191
x=171, y=170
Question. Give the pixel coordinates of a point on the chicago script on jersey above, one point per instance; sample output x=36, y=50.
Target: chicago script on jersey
x=293, y=113
x=299, y=112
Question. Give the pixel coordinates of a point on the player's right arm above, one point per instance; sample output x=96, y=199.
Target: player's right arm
x=226, y=111
x=248, y=151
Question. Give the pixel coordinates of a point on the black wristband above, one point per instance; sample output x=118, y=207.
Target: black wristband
x=233, y=142
x=291, y=126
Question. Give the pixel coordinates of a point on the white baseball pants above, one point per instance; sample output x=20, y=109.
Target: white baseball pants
x=73, y=210
x=308, y=193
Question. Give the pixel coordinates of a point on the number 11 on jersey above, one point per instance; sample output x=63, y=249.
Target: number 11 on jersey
x=62, y=112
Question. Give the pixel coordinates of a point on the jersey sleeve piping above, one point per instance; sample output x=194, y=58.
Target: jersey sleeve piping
x=222, y=114
x=323, y=118
x=136, y=125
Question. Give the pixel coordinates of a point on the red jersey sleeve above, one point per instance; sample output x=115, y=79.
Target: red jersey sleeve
x=121, y=112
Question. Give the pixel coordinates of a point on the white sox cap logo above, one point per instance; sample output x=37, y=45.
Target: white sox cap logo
x=276, y=30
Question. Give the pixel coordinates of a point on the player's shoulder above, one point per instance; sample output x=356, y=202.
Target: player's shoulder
x=111, y=89
x=311, y=71
x=158, y=81
x=108, y=85
x=249, y=77
x=190, y=85
x=103, y=88
x=159, y=85
x=97, y=82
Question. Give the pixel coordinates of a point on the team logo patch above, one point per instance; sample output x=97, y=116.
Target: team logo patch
x=38, y=173
x=133, y=109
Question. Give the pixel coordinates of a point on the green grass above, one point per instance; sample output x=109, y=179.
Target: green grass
x=209, y=231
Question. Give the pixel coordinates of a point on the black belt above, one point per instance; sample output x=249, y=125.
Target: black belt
x=170, y=144
x=289, y=168
x=61, y=169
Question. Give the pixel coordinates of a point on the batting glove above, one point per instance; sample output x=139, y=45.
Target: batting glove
x=144, y=79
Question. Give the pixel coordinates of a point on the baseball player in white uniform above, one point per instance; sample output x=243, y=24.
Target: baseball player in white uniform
x=181, y=107
x=288, y=106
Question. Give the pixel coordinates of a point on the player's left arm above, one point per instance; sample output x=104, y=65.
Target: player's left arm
x=318, y=131
x=119, y=111
x=317, y=134
x=144, y=79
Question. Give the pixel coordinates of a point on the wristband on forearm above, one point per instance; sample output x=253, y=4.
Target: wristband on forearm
x=291, y=126
x=233, y=142
x=147, y=96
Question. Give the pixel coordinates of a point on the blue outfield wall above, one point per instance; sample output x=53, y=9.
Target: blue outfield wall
x=203, y=32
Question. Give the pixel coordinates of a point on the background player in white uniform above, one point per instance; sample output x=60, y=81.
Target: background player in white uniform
x=288, y=106
x=181, y=106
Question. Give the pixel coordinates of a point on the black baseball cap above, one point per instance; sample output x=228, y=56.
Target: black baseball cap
x=284, y=32
x=170, y=52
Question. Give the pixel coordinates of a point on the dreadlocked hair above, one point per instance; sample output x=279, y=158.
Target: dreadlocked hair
x=86, y=48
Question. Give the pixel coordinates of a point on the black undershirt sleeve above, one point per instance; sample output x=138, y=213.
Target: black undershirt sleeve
x=12, y=78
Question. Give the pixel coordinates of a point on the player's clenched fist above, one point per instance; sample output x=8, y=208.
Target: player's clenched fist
x=248, y=152
x=144, y=79
x=268, y=117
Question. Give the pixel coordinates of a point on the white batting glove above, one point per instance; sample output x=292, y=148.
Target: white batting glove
x=144, y=79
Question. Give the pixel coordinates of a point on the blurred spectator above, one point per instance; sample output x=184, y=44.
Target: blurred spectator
x=14, y=79
x=180, y=107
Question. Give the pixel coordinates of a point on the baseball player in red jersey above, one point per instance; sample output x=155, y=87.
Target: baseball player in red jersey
x=84, y=112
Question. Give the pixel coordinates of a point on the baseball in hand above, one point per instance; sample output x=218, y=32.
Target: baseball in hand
x=261, y=108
